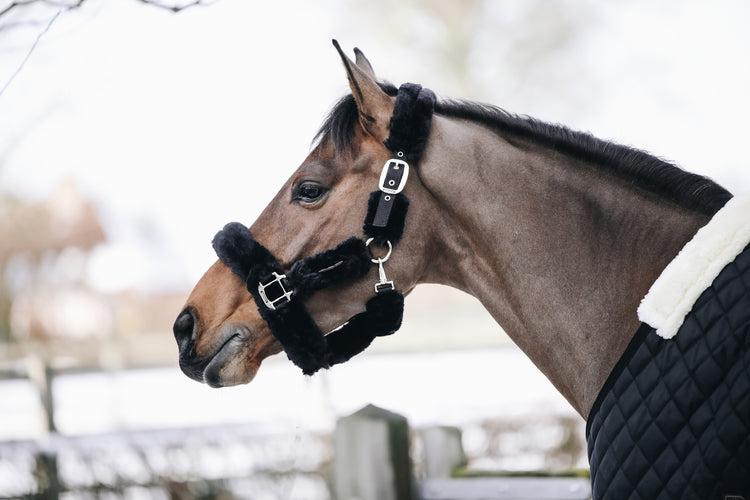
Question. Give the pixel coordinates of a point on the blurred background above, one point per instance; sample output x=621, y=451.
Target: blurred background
x=132, y=130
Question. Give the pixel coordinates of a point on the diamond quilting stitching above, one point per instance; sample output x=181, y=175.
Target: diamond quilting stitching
x=676, y=423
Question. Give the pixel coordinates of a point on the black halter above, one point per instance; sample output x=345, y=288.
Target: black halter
x=280, y=296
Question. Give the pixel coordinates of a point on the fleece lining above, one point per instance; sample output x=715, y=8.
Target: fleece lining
x=715, y=245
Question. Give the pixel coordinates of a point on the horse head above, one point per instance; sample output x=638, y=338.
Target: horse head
x=221, y=333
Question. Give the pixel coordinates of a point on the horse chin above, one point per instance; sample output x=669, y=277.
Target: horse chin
x=217, y=375
x=231, y=364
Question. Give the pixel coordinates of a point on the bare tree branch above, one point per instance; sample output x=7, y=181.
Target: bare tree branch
x=52, y=3
x=31, y=50
x=173, y=6
x=13, y=5
x=178, y=6
x=64, y=6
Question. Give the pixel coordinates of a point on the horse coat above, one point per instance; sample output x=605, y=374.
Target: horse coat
x=673, y=418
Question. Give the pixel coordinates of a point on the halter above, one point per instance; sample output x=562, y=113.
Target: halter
x=280, y=296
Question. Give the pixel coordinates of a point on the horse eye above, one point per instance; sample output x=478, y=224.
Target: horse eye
x=308, y=192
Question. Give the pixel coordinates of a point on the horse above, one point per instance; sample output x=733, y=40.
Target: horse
x=560, y=235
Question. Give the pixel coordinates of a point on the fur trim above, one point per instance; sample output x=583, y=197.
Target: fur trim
x=307, y=347
x=302, y=340
x=411, y=120
x=715, y=245
x=236, y=247
x=347, y=261
x=395, y=228
x=382, y=316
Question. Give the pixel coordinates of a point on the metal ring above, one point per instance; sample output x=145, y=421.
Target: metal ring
x=381, y=259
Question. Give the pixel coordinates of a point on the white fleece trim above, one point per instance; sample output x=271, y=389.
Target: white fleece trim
x=715, y=245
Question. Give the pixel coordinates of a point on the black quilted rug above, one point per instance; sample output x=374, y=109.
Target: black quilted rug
x=673, y=420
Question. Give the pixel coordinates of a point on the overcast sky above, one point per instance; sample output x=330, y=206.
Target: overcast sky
x=174, y=124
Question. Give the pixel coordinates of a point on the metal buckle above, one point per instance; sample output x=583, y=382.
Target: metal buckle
x=387, y=285
x=399, y=171
x=283, y=294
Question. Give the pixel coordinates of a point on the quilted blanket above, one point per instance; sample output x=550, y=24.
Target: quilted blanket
x=673, y=419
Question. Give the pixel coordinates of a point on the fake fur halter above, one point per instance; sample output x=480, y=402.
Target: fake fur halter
x=280, y=295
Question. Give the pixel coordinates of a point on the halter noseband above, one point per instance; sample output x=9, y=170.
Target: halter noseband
x=280, y=296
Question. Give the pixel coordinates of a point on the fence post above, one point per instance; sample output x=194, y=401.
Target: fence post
x=371, y=456
x=46, y=476
x=443, y=451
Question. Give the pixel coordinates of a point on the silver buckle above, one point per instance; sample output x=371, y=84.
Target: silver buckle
x=284, y=294
x=391, y=187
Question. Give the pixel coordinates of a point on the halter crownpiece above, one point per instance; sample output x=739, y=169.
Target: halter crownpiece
x=280, y=295
x=409, y=128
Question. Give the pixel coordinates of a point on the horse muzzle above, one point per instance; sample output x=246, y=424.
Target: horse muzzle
x=225, y=353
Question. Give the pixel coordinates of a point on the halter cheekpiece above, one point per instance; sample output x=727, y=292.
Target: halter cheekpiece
x=280, y=295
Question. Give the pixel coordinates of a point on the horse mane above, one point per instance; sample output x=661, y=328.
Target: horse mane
x=339, y=124
x=692, y=191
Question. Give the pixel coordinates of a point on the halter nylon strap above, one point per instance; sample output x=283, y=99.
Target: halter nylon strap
x=409, y=128
x=280, y=297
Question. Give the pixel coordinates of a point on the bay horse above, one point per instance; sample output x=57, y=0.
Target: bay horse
x=560, y=235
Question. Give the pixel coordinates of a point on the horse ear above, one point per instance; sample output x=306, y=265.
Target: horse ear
x=364, y=64
x=374, y=105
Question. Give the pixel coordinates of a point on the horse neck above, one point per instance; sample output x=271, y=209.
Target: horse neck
x=559, y=251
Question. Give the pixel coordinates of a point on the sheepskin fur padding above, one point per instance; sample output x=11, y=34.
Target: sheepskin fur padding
x=382, y=316
x=411, y=120
x=395, y=228
x=716, y=244
x=237, y=248
x=308, y=348
x=252, y=262
x=347, y=261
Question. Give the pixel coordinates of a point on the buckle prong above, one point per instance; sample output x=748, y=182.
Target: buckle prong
x=394, y=171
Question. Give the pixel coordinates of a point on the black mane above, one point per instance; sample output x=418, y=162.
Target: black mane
x=339, y=124
x=689, y=190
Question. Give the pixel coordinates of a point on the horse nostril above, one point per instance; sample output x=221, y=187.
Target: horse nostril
x=183, y=327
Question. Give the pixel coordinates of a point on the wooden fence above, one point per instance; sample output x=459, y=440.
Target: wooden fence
x=370, y=455
x=372, y=462
x=230, y=461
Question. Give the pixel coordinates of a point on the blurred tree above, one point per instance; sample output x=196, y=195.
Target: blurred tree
x=493, y=51
x=7, y=202
x=29, y=232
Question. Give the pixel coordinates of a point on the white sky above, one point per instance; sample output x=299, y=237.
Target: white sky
x=177, y=124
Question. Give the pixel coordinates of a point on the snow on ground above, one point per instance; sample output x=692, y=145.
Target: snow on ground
x=446, y=388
